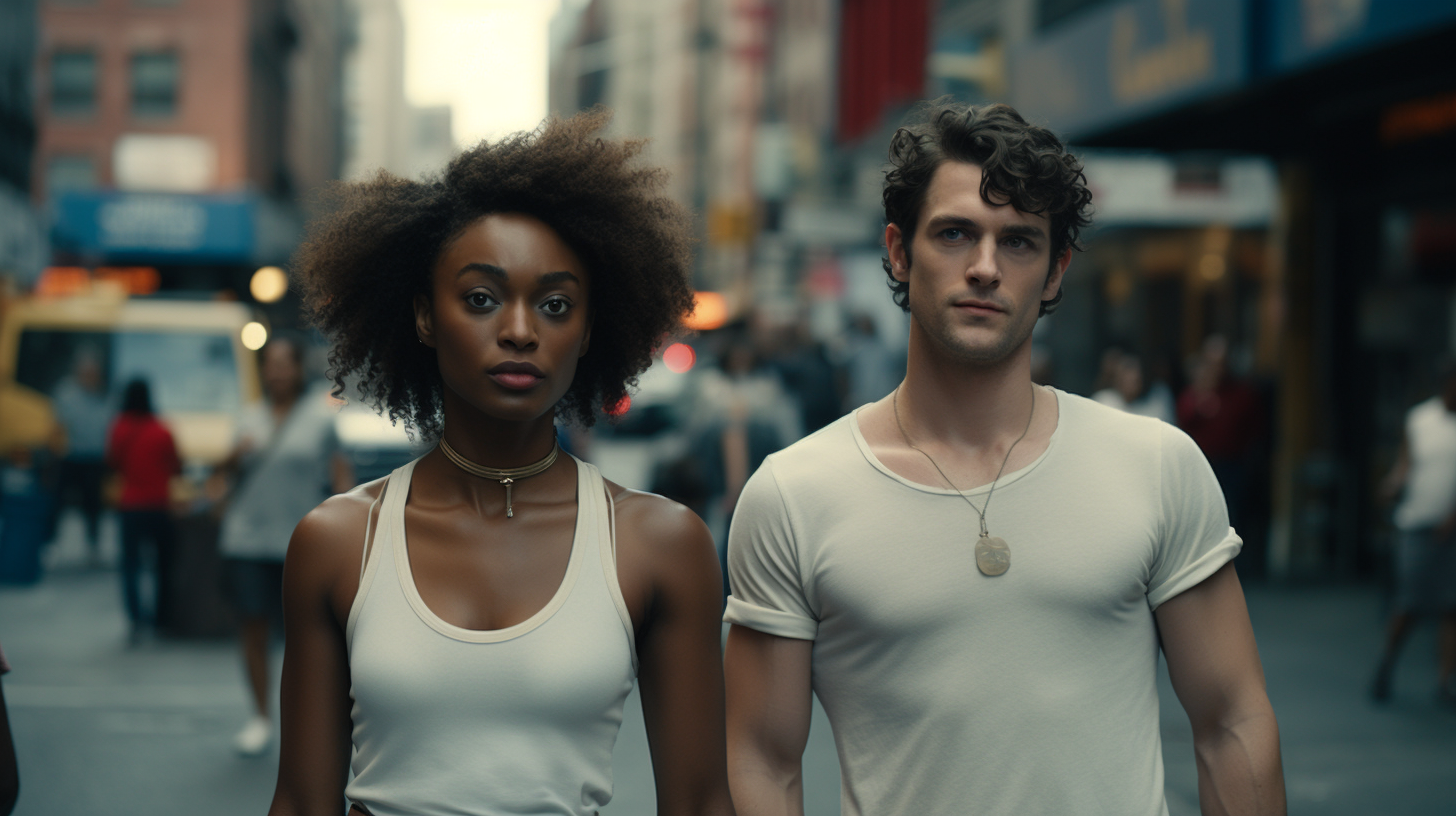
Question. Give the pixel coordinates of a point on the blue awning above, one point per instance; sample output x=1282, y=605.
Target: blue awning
x=161, y=228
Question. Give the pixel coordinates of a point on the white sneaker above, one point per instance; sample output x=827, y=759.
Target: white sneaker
x=255, y=737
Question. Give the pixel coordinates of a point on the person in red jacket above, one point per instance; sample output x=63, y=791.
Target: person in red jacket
x=142, y=451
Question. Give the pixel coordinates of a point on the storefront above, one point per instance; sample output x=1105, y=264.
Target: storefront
x=1355, y=104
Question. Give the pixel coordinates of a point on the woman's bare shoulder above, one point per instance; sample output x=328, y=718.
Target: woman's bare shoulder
x=665, y=529
x=332, y=534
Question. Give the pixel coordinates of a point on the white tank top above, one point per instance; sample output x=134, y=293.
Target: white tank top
x=520, y=720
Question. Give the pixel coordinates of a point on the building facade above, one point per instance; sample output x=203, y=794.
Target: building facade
x=1344, y=298
x=182, y=135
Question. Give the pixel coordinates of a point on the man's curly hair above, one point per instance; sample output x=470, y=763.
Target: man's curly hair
x=363, y=264
x=1021, y=164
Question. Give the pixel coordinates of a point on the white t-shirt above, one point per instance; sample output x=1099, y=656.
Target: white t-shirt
x=952, y=692
x=1430, y=488
x=282, y=479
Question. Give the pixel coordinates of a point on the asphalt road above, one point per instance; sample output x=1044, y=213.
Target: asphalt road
x=101, y=727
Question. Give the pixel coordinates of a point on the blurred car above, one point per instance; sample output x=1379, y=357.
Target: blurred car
x=649, y=431
x=373, y=445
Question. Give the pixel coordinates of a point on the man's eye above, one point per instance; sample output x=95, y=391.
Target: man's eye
x=1017, y=242
x=953, y=234
x=556, y=306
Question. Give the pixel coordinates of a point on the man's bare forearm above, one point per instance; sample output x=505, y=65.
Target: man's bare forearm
x=761, y=790
x=1239, y=770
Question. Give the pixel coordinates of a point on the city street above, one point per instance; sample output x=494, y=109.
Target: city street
x=103, y=728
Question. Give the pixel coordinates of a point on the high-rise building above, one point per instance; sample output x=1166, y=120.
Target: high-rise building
x=382, y=130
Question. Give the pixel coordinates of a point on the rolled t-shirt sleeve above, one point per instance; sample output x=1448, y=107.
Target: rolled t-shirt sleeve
x=763, y=564
x=1195, y=537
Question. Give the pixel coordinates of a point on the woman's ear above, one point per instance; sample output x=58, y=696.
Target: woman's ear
x=424, y=321
x=585, y=339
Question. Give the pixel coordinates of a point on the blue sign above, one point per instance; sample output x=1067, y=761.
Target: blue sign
x=157, y=227
x=1126, y=60
x=1309, y=31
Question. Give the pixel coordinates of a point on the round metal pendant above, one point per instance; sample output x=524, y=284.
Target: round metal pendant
x=993, y=557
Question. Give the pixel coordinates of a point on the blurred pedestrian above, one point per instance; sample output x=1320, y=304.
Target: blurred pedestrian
x=1014, y=672
x=143, y=453
x=9, y=768
x=484, y=669
x=870, y=367
x=808, y=377
x=1127, y=390
x=285, y=461
x=1224, y=415
x=1424, y=477
x=25, y=514
x=84, y=410
x=744, y=414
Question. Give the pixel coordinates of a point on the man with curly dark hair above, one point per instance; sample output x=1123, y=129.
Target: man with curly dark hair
x=469, y=627
x=975, y=573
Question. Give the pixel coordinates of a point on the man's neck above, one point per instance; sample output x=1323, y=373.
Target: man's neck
x=963, y=404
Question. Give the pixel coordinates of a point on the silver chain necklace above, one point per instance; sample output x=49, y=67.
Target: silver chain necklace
x=993, y=557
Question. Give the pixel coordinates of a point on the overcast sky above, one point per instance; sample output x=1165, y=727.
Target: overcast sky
x=487, y=59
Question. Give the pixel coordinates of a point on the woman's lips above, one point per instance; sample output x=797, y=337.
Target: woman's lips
x=516, y=375
x=515, y=380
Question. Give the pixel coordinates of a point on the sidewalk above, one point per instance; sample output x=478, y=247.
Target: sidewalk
x=1343, y=755
x=103, y=728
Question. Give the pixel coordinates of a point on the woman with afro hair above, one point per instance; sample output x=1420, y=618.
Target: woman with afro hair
x=470, y=626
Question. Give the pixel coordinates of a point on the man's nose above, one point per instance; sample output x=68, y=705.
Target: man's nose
x=983, y=270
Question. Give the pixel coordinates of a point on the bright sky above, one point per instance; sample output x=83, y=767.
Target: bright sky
x=487, y=59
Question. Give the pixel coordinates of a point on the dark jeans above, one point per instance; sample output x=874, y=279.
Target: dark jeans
x=140, y=528
x=80, y=486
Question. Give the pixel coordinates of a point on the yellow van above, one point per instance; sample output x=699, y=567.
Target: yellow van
x=190, y=352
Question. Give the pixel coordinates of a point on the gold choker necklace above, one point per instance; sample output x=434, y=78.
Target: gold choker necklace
x=506, y=476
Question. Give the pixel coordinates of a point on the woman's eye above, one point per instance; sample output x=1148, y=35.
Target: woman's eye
x=556, y=306
x=479, y=300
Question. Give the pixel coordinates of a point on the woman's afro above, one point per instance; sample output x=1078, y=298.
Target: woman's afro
x=363, y=264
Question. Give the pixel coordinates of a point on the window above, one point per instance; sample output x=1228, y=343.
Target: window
x=154, y=85
x=73, y=83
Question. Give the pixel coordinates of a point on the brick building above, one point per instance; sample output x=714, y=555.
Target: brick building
x=218, y=114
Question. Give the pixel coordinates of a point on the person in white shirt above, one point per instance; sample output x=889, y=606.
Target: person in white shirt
x=1424, y=477
x=1128, y=390
x=976, y=574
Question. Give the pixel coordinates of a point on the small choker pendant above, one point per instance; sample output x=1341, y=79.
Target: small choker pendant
x=507, y=477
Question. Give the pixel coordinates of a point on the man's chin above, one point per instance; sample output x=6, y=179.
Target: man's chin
x=981, y=348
